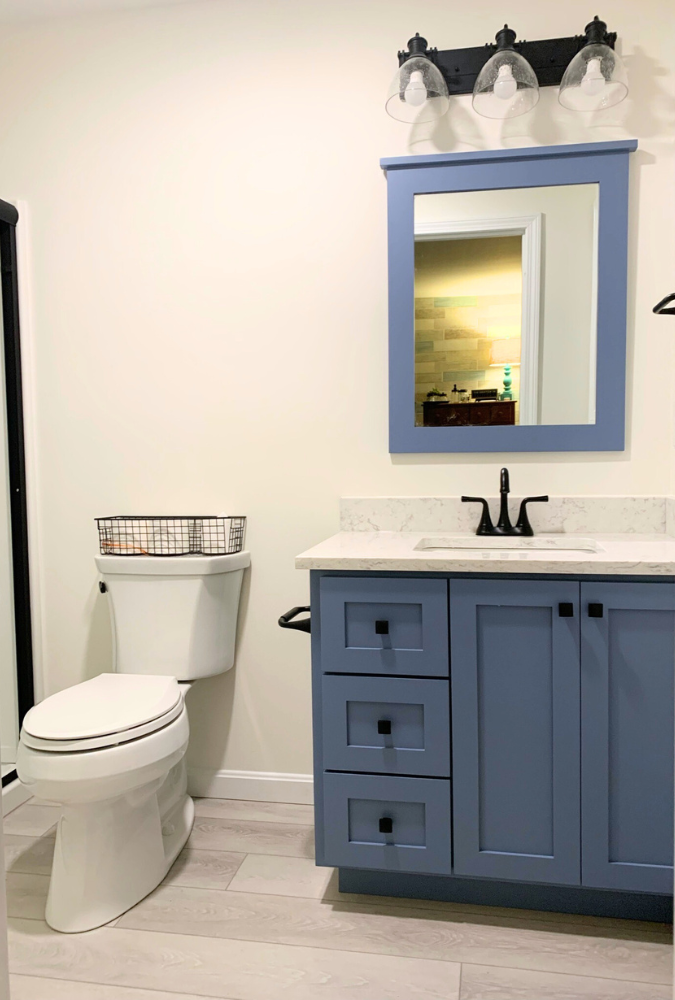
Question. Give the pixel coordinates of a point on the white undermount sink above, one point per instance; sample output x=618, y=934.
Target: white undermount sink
x=560, y=543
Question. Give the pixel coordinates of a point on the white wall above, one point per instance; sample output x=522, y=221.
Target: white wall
x=207, y=205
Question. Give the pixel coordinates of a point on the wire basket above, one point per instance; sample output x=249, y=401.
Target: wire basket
x=170, y=536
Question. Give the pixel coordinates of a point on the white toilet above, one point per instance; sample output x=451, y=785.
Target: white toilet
x=111, y=751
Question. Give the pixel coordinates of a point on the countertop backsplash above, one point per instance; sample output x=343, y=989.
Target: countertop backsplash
x=568, y=515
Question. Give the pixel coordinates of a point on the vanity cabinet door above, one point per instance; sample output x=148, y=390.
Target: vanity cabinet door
x=383, y=625
x=627, y=661
x=515, y=729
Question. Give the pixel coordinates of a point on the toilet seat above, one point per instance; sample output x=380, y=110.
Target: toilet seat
x=104, y=712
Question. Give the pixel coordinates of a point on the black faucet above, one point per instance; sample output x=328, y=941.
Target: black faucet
x=504, y=526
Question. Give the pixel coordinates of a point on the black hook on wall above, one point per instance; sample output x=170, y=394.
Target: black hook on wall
x=660, y=307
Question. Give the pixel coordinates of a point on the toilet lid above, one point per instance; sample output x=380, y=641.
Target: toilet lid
x=108, y=705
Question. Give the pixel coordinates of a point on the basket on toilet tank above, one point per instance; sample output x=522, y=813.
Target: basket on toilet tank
x=175, y=616
x=127, y=535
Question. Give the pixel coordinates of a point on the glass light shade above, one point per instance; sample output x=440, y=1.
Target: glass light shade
x=595, y=79
x=506, y=87
x=418, y=92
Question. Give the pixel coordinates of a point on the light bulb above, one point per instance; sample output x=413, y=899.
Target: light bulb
x=593, y=82
x=415, y=93
x=505, y=84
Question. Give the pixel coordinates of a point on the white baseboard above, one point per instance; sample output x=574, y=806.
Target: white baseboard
x=255, y=786
x=13, y=796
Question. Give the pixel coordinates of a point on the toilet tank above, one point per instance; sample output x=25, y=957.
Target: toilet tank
x=173, y=615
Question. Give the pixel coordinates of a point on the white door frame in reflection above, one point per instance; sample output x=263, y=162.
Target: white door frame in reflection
x=529, y=228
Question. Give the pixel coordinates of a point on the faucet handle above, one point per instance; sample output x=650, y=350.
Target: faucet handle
x=523, y=526
x=485, y=527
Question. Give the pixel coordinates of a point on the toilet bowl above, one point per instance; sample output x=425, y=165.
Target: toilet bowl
x=111, y=751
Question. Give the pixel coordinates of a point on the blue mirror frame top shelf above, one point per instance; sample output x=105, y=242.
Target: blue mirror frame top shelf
x=603, y=163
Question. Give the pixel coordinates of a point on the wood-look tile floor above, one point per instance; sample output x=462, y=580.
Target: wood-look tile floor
x=245, y=915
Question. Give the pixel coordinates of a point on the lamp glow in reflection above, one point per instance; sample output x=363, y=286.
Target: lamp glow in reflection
x=505, y=354
x=596, y=78
x=507, y=86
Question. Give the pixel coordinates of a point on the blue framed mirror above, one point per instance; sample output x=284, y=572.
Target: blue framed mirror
x=507, y=299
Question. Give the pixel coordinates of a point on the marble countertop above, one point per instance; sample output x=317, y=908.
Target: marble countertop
x=606, y=554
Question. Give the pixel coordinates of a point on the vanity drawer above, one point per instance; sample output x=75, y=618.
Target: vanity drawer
x=384, y=626
x=386, y=724
x=386, y=823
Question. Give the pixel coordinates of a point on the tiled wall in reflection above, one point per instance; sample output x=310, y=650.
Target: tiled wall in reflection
x=452, y=343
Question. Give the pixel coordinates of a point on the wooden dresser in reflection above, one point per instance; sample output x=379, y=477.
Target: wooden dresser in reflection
x=487, y=413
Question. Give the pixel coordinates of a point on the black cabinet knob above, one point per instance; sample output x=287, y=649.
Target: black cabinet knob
x=386, y=824
x=566, y=609
x=381, y=628
x=596, y=610
x=384, y=727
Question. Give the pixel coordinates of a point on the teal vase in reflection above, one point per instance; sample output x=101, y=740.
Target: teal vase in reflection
x=508, y=382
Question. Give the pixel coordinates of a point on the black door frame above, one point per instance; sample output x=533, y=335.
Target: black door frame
x=17, y=463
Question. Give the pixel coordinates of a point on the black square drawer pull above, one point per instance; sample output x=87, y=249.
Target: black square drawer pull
x=566, y=609
x=384, y=727
x=386, y=824
x=382, y=628
x=595, y=610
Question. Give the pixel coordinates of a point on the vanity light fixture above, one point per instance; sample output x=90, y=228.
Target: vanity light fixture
x=507, y=86
x=596, y=77
x=418, y=92
x=505, y=77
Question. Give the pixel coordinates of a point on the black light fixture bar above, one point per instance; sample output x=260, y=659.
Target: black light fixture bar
x=549, y=58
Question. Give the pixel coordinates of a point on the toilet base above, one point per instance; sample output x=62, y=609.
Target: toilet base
x=110, y=854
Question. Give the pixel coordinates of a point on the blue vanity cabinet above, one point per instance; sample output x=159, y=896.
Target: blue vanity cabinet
x=504, y=740
x=627, y=665
x=515, y=729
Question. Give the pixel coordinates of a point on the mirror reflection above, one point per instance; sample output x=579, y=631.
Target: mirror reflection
x=505, y=306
